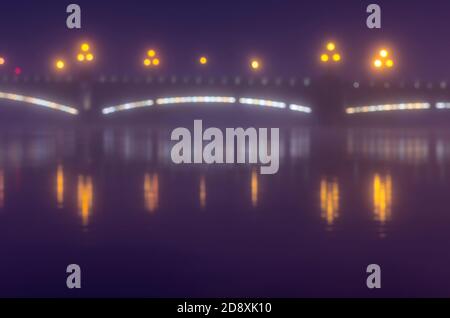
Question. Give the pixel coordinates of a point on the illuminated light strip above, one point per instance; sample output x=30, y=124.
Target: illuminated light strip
x=443, y=105
x=299, y=108
x=39, y=102
x=195, y=99
x=262, y=102
x=113, y=109
x=387, y=107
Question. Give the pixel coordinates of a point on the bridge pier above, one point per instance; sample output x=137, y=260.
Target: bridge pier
x=329, y=100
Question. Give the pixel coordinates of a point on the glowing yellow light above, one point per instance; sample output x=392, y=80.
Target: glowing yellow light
x=378, y=63
x=155, y=62
x=336, y=57
x=329, y=200
x=85, y=47
x=202, y=192
x=80, y=57
x=2, y=60
x=254, y=186
x=147, y=62
x=151, y=192
x=389, y=63
x=255, y=64
x=384, y=53
x=203, y=60
x=324, y=58
x=331, y=46
x=85, y=198
x=151, y=53
x=382, y=197
x=90, y=57
x=60, y=64
x=60, y=186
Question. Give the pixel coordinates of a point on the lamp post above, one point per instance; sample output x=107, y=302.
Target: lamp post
x=85, y=54
x=151, y=59
x=383, y=60
x=331, y=54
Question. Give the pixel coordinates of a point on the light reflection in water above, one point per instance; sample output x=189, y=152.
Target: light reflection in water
x=85, y=198
x=2, y=189
x=254, y=187
x=389, y=145
x=299, y=143
x=202, y=192
x=151, y=145
x=382, y=199
x=329, y=200
x=60, y=186
x=151, y=192
x=443, y=150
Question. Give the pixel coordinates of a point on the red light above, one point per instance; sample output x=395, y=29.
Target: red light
x=17, y=71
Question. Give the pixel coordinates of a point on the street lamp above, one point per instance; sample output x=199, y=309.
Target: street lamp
x=85, y=53
x=60, y=65
x=255, y=64
x=383, y=59
x=203, y=60
x=2, y=61
x=331, y=54
x=151, y=59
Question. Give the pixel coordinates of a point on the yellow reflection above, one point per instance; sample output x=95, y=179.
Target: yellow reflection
x=60, y=186
x=202, y=192
x=254, y=187
x=382, y=197
x=85, y=198
x=151, y=192
x=2, y=189
x=329, y=200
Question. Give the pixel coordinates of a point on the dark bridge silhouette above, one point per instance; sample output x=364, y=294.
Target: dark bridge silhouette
x=325, y=97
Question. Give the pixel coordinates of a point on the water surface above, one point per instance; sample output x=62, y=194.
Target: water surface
x=111, y=200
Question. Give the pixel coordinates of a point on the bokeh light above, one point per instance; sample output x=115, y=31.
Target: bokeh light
x=155, y=62
x=255, y=64
x=85, y=47
x=324, y=58
x=331, y=46
x=330, y=53
x=381, y=61
x=60, y=64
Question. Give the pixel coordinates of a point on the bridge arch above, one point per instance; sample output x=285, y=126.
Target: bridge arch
x=34, y=101
x=229, y=100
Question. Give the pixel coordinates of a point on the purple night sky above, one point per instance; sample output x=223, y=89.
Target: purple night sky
x=286, y=34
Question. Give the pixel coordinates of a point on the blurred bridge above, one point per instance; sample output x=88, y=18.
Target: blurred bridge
x=324, y=97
